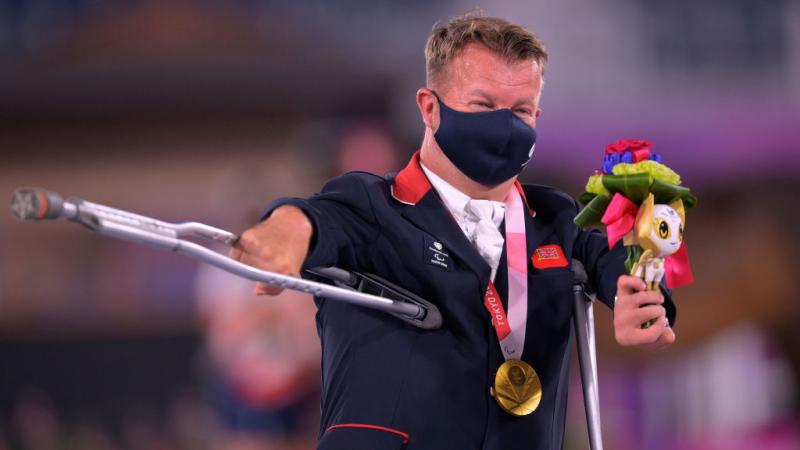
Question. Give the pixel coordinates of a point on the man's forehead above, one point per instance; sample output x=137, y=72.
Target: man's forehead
x=479, y=60
x=479, y=71
x=476, y=52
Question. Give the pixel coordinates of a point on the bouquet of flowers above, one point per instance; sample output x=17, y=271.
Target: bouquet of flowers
x=641, y=201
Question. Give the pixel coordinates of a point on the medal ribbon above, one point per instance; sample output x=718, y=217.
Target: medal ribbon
x=510, y=328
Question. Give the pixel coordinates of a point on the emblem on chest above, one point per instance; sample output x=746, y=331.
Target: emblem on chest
x=435, y=254
x=548, y=257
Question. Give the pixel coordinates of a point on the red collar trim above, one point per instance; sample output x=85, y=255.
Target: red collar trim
x=518, y=185
x=411, y=184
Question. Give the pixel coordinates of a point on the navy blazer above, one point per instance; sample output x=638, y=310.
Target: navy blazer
x=388, y=385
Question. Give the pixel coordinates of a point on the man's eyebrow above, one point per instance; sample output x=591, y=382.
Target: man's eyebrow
x=524, y=102
x=480, y=93
x=486, y=95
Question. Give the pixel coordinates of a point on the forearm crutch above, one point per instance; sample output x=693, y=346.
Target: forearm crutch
x=350, y=287
x=587, y=356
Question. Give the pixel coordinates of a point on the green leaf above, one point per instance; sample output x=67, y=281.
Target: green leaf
x=665, y=192
x=586, y=197
x=635, y=187
x=591, y=214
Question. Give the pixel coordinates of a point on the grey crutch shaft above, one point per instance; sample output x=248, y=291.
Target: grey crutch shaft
x=39, y=204
x=583, y=322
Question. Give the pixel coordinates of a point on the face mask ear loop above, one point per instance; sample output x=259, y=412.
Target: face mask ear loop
x=440, y=103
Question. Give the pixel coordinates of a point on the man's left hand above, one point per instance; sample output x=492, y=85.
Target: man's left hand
x=635, y=306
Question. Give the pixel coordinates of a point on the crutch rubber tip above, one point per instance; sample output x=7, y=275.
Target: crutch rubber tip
x=36, y=204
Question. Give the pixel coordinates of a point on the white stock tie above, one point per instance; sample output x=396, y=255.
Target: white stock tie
x=482, y=232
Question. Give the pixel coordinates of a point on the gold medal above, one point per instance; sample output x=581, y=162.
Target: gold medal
x=517, y=388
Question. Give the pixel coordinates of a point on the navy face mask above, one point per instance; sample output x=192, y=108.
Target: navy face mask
x=488, y=147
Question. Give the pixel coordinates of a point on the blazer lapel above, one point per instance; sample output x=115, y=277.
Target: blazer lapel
x=432, y=216
x=423, y=207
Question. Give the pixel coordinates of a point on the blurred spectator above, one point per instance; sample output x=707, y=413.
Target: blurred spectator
x=139, y=428
x=263, y=352
x=264, y=361
x=91, y=435
x=36, y=423
x=3, y=441
x=191, y=422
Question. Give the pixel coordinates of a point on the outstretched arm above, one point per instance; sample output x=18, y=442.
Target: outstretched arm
x=333, y=227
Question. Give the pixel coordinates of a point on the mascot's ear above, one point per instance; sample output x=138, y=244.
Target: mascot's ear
x=677, y=205
x=644, y=223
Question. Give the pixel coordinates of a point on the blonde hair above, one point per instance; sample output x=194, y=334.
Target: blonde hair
x=512, y=42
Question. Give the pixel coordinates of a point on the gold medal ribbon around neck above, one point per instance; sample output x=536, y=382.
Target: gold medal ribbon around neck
x=517, y=387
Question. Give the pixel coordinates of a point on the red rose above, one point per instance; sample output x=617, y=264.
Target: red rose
x=625, y=145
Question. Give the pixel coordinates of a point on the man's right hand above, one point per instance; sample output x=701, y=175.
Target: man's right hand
x=278, y=244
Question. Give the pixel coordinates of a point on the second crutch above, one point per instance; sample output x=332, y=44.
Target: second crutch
x=583, y=320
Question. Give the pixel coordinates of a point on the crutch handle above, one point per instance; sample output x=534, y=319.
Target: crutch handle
x=579, y=273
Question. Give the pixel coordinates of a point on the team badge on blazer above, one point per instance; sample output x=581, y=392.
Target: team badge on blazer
x=435, y=254
x=549, y=256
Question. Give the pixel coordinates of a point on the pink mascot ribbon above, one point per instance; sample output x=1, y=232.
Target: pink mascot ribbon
x=619, y=218
x=677, y=269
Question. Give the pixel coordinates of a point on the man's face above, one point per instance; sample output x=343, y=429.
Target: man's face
x=478, y=80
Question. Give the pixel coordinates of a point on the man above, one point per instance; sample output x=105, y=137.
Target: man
x=456, y=228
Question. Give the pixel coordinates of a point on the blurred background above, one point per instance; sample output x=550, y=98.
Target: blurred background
x=206, y=110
